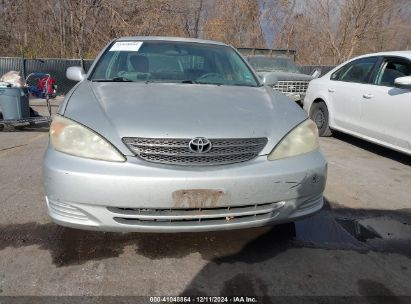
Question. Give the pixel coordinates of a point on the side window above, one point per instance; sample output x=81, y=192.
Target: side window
x=392, y=69
x=355, y=71
x=337, y=74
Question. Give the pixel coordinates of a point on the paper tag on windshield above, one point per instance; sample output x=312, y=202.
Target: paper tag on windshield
x=133, y=46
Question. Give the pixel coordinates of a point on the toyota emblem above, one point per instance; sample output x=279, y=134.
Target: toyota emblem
x=199, y=145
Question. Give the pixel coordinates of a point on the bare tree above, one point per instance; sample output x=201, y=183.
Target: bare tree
x=331, y=31
x=235, y=22
x=322, y=31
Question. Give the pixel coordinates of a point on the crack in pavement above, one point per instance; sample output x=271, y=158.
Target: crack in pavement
x=6, y=150
x=9, y=148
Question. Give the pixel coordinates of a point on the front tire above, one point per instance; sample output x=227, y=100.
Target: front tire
x=319, y=114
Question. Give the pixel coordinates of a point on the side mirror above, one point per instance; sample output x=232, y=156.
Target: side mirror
x=403, y=82
x=316, y=73
x=75, y=73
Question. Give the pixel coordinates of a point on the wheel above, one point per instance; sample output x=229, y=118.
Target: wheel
x=319, y=114
x=8, y=128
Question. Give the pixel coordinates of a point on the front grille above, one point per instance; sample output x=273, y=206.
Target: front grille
x=175, y=151
x=195, y=216
x=291, y=86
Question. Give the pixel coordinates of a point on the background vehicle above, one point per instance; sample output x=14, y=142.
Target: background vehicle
x=278, y=70
x=368, y=97
x=171, y=134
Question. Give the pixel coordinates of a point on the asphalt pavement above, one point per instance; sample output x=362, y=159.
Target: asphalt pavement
x=358, y=245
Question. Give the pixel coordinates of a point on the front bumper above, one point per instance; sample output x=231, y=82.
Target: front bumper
x=141, y=196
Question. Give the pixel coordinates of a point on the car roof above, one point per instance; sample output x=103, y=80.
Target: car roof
x=173, y=39
x=406, y=54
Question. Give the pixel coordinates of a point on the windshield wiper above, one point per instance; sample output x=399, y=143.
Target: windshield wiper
x=115, y=79
x=189, y=81
x=243, y=85
x=211, y=83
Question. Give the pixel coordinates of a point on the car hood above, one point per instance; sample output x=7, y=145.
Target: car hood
x=165, y=110
x=274, y=76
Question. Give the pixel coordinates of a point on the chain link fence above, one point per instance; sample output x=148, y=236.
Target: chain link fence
x=57, y=69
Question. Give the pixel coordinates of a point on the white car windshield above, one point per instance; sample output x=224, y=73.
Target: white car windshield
x=177, y=62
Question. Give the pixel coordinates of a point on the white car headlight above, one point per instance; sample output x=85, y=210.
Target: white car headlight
x=302, y=139
x=70, y=137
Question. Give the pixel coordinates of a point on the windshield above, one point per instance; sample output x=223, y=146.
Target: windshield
x=176, y=62
x=267, y=64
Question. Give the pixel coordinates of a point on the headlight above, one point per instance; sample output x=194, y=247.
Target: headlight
x=302, y=139
x=72, y=138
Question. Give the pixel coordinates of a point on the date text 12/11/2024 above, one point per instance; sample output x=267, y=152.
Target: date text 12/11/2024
x=203, y=299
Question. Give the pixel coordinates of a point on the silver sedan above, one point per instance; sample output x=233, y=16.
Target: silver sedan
x=173, y=134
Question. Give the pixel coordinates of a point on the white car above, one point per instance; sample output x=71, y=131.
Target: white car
x=368, y=97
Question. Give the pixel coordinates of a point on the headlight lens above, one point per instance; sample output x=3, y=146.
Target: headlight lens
x=303, y=139
x=72, y=138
